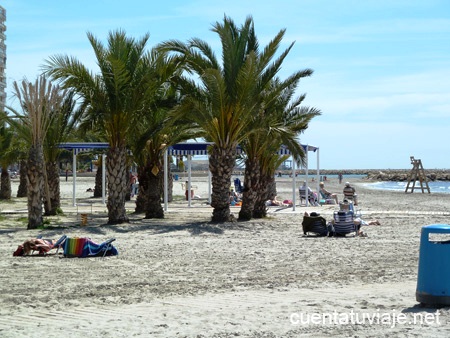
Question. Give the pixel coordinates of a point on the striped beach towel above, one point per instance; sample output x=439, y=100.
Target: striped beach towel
x=85, y=247
x=74, y=247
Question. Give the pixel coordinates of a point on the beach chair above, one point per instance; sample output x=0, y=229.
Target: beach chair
x=344, y=223
x=312, y=199
x=347, y=205
x=84, y=247
x=45, y=248
x=325, y=200
x=314, y=224
x=59, y=243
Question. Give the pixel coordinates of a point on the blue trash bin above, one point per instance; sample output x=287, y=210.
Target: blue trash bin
x=433, y=280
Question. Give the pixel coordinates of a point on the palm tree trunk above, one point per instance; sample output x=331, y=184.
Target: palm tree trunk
x=154, y=207
x=54, y=189
x=5, y=185
x=22, y=191
x=35, y=174
x=221, y=164
x=267, y=190
x=98, y=191
x=142, y=197
x=251, y=188
x=170, y=185
x=117, y=185
x=128, y=192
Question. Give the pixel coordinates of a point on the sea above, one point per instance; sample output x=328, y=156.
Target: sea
x=435, y=186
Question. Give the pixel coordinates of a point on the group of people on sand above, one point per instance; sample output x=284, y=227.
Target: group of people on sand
x=349, y=194
x=358, y=221
x=313, y=197
x=346, y=206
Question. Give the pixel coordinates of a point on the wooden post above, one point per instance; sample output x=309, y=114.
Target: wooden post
x=417, y=173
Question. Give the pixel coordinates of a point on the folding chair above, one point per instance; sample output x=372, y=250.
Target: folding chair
x=312, y=199
x=315, y=224
x=344, y=223
x=44, y=250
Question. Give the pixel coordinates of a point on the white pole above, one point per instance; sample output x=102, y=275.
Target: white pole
x=294, y=189
x=189, y=181
x=104, y=179
x=74, y=177
x=209, y=186
x=166, y=179
x=306, y=176
x=318, y=174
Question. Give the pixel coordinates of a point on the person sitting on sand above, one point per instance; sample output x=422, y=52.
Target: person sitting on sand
x=312, y=196
x=315, y=223
x=234, y=197
x=326, y=194
x=350, y=193
x=345, y=208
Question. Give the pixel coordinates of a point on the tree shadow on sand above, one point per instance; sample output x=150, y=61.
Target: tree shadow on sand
x=194, y=228
x=99, y=226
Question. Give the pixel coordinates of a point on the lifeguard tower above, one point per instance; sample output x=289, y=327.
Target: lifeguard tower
x=417, y=174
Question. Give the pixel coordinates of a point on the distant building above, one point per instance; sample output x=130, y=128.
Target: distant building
x=2, y=59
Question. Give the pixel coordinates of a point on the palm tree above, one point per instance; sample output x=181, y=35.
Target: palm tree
x=153, y=131
x=7, y=157
x=39, y=102
x=268, y=162
x=62, y=124
x=227, y=96
x=22, y=190
x=111, y=99
x=279, y=121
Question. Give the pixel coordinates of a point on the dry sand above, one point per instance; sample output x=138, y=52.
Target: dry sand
x=185, y=277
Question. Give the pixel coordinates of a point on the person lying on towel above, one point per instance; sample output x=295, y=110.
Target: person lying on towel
x=35, y=244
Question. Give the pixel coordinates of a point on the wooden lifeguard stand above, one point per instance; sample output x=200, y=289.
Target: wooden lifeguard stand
x=417, y=174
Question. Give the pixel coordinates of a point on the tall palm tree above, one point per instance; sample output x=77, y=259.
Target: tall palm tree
x=60, y=129
x=7, y=156
x=279, y=121
x=226, y=97
x=39, y=102
x=152, y=131
x=111, y=98
x=268, y=162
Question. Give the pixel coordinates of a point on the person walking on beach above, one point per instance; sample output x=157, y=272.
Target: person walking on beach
x=340, y=176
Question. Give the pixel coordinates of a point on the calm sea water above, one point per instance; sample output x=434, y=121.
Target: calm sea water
x=436, y=186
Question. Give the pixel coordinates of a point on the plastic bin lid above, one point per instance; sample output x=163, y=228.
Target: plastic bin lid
x=437, y=228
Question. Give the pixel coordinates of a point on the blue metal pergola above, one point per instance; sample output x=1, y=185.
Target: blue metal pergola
x=78, y=147
x=188, y=149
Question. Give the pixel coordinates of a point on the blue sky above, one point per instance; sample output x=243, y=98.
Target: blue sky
x=381, y=68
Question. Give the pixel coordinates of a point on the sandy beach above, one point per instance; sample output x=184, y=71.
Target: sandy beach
x=186, y=277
